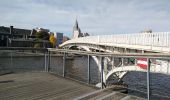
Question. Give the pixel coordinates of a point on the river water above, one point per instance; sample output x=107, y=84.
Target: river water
x=137, y=85
x=77, y=68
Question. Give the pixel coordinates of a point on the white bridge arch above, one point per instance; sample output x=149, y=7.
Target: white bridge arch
x=145, y=42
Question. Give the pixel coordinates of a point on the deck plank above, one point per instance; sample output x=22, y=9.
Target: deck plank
x=46, y=86
x=39, y=86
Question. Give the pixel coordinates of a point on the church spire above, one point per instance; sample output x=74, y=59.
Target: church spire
x=76, y=30
x=76, y=26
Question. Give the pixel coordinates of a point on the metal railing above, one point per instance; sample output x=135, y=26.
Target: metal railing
x=14, y=60
x=20, y=60
x=156, y=39
x=147, y=77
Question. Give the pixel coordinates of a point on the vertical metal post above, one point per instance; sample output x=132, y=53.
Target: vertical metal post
x=101, y=65
x=167, y=40
x=125, y=50
x=113, y=62
x=45, y=61
x=122, y=61
x=11, y=61
x=135, y=61
x=49, y=61
x=64, y=61
x=88, y=58
x=143, y=51
x=7, y=42
x=148, y=79
x=168, y=65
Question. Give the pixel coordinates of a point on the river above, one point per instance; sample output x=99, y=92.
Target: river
x=77, y=68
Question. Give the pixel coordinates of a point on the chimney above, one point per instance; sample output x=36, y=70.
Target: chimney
x=11, y=29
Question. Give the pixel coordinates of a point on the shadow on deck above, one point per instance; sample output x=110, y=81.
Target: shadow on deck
x=46, y=86
x=39, y=85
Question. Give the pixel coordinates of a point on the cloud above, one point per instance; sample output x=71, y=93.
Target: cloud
x=94, y=16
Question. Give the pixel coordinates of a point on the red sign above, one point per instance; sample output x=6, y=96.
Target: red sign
x=142, y=63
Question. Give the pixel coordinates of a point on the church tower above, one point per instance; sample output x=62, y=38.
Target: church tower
x=76, y=31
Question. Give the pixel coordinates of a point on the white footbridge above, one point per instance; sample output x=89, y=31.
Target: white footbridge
x=158, y=42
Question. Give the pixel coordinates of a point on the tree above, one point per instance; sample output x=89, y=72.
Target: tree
x=52, y=40
x=42, y=35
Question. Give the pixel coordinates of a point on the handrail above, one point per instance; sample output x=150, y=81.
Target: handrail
x=22, y=48
x=108, y=54
x=160, y=39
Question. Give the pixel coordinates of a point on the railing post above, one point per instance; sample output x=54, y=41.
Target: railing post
x=122, y=59
x=45, y=61
x=168, y=66
x=101, y=75
x=49, y=61
x=113, y=62
x=64, y=61
x=148, y=79
x=143, y=51
x=11, y=61
x=88, y=69
x=167, y=40
x=135, y=61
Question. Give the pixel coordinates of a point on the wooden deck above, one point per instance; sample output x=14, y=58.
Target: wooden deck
x=45, y=86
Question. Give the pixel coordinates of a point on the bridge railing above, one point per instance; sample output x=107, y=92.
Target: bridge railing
x=157, y=39
x=147, y=85
x=150, y=39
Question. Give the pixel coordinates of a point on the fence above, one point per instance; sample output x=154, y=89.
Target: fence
x=21, y=60
x=81, y=66
x=74, y=66
x=144, y=84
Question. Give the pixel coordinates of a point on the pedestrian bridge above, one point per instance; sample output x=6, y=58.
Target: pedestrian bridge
x=158, y=42
x=154, y=42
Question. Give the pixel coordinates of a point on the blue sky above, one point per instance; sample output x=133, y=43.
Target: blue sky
x=97, y=17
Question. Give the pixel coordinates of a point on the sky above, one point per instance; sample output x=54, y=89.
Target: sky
x=96, y=17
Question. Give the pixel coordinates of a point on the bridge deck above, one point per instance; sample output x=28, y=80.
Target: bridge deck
x=41, y=85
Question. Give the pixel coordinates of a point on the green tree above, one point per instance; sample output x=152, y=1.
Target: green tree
x=42, y=35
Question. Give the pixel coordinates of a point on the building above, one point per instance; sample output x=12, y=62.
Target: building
x=4, y=35
x=16, y=37
x=59, y=38
x=29, y=43
x=7, y=33
x=77, y=32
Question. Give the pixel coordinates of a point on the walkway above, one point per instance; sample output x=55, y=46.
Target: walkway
x=154, y=42
x=39, y=86
x=45, y=86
